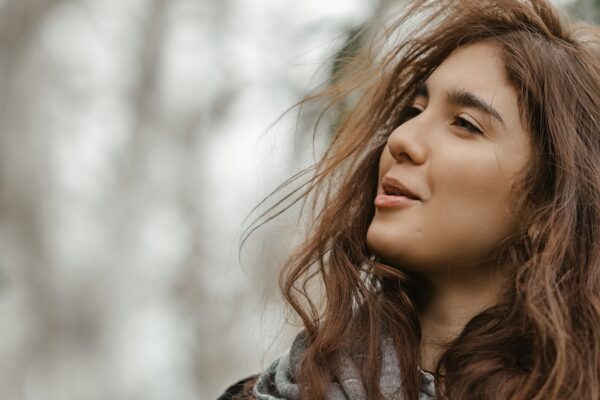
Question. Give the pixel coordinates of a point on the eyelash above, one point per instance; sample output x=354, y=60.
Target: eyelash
x=460, y=122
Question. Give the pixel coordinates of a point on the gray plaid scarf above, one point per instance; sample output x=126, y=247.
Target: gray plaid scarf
x=277, y=382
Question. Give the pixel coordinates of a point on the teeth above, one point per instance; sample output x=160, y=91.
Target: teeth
x=394, y=193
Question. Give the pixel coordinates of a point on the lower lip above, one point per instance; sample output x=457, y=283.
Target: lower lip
x=389, y=201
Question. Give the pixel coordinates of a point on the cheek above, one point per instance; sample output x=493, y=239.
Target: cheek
x=470, y=213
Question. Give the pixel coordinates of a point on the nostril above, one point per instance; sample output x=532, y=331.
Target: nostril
x=405, y=155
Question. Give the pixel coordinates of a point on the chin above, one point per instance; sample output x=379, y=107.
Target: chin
x=387, y=238
x=397, y=251
x=386, y=248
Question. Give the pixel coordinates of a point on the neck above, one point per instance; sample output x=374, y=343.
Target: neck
x=451, y=301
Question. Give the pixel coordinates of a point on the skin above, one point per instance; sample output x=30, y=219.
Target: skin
x=464, y=179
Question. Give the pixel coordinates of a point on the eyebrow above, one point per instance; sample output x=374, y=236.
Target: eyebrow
x=463, y=98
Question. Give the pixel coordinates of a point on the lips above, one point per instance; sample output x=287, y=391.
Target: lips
x=393, y=187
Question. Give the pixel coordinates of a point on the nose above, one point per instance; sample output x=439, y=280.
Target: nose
x=406, y=143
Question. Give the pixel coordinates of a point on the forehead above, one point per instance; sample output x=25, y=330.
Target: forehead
x=477, y=65
x=476, y=68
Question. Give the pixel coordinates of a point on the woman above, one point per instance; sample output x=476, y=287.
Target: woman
x=457, y=217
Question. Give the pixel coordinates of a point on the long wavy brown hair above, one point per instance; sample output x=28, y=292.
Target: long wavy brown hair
x=542, y=339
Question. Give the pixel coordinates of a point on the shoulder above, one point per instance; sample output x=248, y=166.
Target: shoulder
x=237, y=388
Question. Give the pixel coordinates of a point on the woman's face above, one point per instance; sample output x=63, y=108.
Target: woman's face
x=459, y=151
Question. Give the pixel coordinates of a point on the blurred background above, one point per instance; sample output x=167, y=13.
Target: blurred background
x=135, y=138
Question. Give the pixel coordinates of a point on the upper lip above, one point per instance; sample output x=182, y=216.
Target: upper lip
x=393, y=186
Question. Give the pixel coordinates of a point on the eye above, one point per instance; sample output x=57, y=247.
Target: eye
x=409, y=113
x=466, y=125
